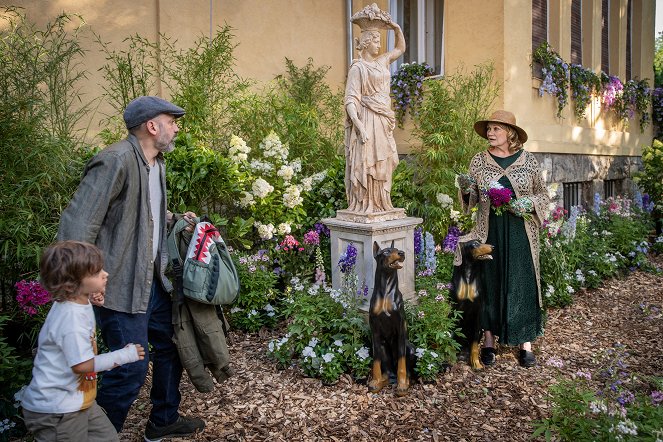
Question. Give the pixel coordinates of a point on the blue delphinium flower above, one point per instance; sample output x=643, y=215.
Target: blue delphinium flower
x=637, y=200
x=597, y=203
x=348, y=259
x=430, y=260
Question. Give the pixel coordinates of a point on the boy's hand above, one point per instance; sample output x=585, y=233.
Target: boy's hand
x=139, y=350
x=97, y=298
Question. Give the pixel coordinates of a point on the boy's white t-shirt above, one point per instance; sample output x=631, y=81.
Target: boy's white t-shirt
x=67, y=338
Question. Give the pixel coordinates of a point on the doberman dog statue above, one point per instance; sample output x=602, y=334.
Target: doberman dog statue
x=468, y=297
x=392, y=352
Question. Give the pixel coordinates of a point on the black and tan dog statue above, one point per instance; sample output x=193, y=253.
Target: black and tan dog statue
x=392, y=353
x=466, y=293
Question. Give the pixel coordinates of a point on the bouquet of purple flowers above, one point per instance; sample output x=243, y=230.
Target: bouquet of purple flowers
x=500, y=197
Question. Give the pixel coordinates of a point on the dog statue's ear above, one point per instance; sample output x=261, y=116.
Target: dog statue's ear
x=392, y=244
x=376, y=248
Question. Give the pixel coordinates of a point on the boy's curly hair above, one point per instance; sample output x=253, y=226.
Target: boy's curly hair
x=64, y=264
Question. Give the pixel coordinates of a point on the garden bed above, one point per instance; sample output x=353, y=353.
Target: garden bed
x=262, y=403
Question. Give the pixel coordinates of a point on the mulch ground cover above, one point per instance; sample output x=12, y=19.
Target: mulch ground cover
x=263, y=403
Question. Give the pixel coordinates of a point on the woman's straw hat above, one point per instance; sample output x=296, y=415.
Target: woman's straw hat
x=503, y=117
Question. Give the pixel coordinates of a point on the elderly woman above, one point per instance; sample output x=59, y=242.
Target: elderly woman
x=370, y=149
x=512, y=309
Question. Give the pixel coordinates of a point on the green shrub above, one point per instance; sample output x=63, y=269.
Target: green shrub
x=256, y=304
x=302, y=109
x=448, y=141
x=40, y=107
x=432, y=326
x=14, y=374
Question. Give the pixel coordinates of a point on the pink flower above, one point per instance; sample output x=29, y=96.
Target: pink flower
x=289, y=242
x=312, y=238
x=30, y=295
x=499, y=197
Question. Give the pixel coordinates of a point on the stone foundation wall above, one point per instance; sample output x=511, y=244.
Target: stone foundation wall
x=591, y=171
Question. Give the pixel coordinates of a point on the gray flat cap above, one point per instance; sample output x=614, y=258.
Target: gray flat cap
x=145, y=108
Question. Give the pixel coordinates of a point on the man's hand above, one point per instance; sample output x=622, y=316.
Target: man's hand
x=190, y=218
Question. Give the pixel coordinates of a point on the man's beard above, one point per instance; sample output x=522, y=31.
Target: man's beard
x=164, y=147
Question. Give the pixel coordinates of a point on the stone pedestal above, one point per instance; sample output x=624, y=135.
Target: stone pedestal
x=362, y=234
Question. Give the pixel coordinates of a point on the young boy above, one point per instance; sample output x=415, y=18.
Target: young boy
x=59, y=403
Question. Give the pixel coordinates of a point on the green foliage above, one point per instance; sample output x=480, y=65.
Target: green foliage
x=650, y=179
x=203, y=82
x=432, y=326
x=658, y=61
x=448, y=142
x=200, y=78
x=255, y=306
x=327, y=334
x=129, y=73
x=40, y=106
x=301, y=108
x=14, y=374
x=572, y=258
x=584, y=84
x=609, y=404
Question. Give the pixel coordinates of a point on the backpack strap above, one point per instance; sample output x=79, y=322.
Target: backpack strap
x=173, y=243
x=176, y=259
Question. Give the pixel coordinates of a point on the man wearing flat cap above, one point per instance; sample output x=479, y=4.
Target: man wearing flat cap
x=120, y=206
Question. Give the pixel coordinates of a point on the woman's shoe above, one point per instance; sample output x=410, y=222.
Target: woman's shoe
x=526, y=359
x=488, y=356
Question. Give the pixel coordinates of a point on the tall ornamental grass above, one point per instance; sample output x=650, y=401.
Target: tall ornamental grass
x=41, y=107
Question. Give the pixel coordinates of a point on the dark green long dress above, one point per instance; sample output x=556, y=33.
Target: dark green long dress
x=511, y=310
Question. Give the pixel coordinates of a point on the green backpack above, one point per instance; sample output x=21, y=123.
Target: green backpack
x=204, y=270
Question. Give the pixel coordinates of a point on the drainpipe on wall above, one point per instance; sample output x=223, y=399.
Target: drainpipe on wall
x=348, y=32
x=158, y=39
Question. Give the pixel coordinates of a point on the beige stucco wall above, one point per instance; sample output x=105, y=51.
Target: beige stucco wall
x=475, y=31
x=505, y=39
x=266, y=31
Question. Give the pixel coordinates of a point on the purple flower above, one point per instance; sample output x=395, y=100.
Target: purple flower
x=656, y=397
x=451, y=240
x=348, y=259
x=626, y=398
x=321, y=229
x=312, y=238
x=499, y=197
x=30, y=295
x=417, y=241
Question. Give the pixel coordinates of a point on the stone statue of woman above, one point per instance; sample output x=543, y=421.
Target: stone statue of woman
x=370, y=149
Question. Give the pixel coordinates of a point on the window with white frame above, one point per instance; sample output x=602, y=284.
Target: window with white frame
x=421, y=22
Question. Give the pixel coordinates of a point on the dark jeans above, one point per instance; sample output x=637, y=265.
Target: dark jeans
x=119, y=387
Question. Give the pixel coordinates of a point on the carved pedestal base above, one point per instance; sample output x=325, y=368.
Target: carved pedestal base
x=362, y=235
x=368, y=218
